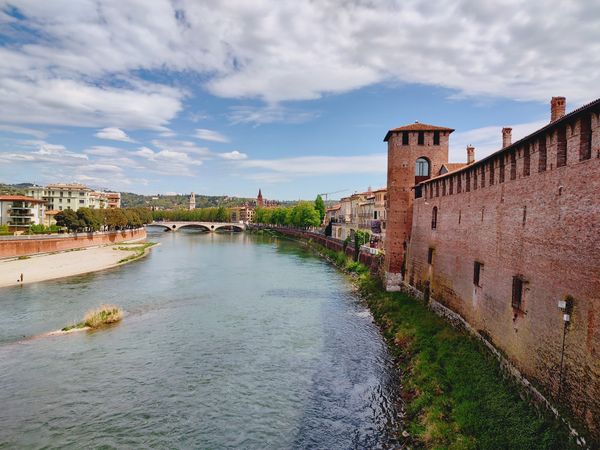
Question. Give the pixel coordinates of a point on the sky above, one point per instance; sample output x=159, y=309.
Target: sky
x=292, y=97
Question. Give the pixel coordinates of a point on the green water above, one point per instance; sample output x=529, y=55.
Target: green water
x=228, y=341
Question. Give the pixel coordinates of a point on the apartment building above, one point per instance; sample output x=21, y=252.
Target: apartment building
x=20, y=212
x=73, y=196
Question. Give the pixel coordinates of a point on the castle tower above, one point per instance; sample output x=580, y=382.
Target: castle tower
x=259, y=200
x=416, y=152
x=192, y=204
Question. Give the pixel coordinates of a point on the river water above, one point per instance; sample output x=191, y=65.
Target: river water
x=228, y=341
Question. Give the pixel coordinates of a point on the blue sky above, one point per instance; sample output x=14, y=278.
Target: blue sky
x=291, y=97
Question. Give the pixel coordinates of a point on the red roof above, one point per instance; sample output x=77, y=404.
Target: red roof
x=19, y=198
x=417, y=126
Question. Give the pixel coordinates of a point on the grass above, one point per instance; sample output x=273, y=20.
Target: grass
x=138, y=249
x=96, y=318
x=455, y=393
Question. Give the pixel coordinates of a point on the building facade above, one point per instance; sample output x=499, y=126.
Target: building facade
x=511, y=243
x=19, y=212
x=73, y=196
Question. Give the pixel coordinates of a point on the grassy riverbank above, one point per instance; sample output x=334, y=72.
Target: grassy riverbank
x=455, y=393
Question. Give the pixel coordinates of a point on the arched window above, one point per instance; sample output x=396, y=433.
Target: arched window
x=434, y=218
x=422, y=168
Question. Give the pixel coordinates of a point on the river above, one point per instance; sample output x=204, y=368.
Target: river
x=228, y=341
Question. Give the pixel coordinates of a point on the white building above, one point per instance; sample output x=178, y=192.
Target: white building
x=73, y=196
x=20, y=212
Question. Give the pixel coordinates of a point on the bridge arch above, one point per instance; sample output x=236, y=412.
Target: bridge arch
x=160, y=225
x=229, y=227
x=198, y=226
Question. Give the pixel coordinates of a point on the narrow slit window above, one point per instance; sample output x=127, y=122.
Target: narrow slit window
x=421, y=138
x=477, y=268
x=517, y=292
x=434, y=217
x=430, y=256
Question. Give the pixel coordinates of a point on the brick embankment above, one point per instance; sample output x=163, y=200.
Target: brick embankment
x=31, y=246
x=367, y=259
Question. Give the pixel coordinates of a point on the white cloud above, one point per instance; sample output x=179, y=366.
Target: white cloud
x=114, y=134
x=210, y=135
x=101, y=150
x=318, y=165
x=487, y=140
x=233, y=156
x=23, y=130
x=269, y=113
x=284, y=50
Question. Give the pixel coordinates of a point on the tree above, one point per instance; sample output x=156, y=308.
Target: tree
x=221, y=214
x=320, y=207
x=88, y=219
x=67, y=218
x=305, y=215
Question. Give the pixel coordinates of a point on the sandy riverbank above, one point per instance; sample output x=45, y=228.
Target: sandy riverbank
x=74, y=262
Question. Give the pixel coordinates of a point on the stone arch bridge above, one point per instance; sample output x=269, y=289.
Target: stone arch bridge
x=204, y=226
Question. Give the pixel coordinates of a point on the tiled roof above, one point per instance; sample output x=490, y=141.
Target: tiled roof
x=417, y=126
x=19, y=198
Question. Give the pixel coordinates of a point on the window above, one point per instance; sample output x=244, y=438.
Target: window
x=422, y=168
x=430, y=256
x=517, y=292
x=477, y=267
x=436, y=138
x=421, y=138
x=60, y=208
x=405, y=138
x=585, y=138
x=543, y=154
x=81, y=202
x=434, y=214
x=561, y=147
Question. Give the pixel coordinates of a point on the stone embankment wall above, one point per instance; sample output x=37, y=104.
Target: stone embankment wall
x=504, y=241
x=24, y=246
x=367, y=259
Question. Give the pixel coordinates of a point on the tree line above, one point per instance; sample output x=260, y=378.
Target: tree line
x=112, y=219
x=302, y=215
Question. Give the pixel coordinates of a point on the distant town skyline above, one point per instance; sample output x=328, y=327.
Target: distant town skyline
x=293, y=98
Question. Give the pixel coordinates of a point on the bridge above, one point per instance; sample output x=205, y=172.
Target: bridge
x=204, y=226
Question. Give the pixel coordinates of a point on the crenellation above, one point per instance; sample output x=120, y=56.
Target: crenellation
x=533, y=229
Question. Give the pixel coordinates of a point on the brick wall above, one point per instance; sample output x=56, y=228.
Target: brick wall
x=367, y=259
x=542, y=226
x=30, y=246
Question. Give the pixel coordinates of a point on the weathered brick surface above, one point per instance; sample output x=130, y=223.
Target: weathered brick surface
x=544, y=226
x=22, y=247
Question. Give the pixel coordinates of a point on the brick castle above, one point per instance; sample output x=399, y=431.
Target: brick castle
x=511, y=243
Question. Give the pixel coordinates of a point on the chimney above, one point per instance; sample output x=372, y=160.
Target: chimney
x=470, y=154
x=506, y=137
x=557, y=108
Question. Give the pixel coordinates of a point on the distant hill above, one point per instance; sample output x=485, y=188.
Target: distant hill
x=129, y=199
x=14, y=189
